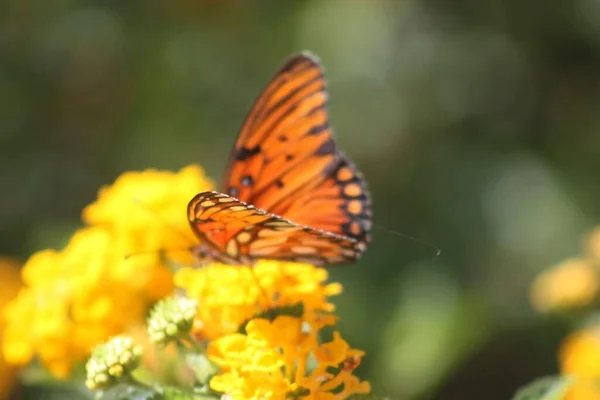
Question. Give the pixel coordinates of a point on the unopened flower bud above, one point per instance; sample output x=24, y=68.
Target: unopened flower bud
x=171, y=318
x=111, y=362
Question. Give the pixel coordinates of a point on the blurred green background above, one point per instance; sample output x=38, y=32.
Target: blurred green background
x=475, y=123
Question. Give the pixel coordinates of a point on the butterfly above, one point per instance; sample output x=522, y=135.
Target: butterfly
x=288, y=193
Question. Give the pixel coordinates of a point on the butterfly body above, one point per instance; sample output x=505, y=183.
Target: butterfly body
x=289, y=193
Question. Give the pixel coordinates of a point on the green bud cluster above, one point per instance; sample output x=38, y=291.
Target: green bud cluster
x=112, y=362
x=171, y=318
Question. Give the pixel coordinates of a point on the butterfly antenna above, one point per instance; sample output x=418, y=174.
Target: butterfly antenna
x=436, y=249
x=138, y=253
x=164, y=221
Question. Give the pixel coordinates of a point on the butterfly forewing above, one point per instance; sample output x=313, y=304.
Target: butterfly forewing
x=286, y=161
x=241, y=234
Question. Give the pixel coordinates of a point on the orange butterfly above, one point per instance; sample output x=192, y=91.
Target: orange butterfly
x=291, y=193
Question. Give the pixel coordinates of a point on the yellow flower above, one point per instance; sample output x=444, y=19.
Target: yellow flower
x=572, y=284
x=230, y=295
x=270, y=361
x=76, y=298
x=9, y=286
x=584, y=389
x=261, y=366
x=580, y=354
x=148, y=210
x=580, y=357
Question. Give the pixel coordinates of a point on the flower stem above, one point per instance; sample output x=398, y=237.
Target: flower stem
x=143, y=385
x=188, y=338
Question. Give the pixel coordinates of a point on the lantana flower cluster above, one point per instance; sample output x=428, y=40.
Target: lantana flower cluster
x=270, y=361
x=270, y=358
x=261, y=327
x=79, y=296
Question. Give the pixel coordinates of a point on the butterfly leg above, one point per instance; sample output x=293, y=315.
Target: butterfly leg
x=200, y=253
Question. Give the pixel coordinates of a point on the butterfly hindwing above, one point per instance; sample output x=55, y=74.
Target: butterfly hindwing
x=244, y=234
x=286, y=161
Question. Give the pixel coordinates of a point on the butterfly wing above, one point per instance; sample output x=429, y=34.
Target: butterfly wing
x=286, y=161
x=239, y=233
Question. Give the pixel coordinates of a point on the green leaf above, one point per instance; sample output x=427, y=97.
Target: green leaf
x=547, y=388
x=171, y=393
x=126, y=392
x=203, y=368
x=175, y=393
x=205, y=392
x=295, y=310
x=123, y=392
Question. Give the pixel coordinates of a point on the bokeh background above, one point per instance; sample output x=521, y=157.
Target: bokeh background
x=475, y=123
